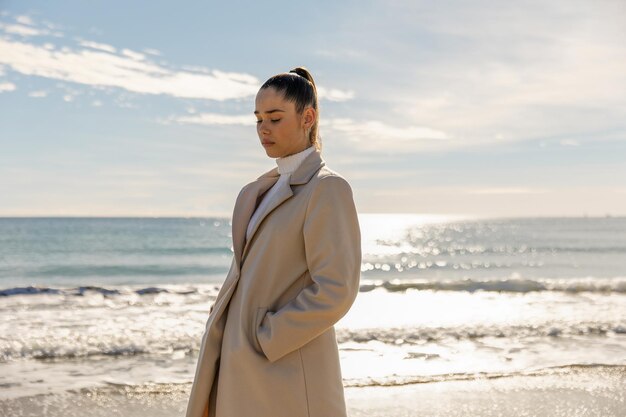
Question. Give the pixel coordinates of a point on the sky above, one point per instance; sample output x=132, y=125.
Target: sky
x=471, y=108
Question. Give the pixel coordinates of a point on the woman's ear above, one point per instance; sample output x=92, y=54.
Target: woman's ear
x=309, y=117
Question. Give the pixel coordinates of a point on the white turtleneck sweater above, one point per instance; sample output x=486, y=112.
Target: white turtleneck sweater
x=286, y=165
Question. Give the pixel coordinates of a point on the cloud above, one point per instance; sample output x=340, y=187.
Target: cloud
x=334, y=94
x=375, y=135
x=98, y=46
x=24, y=27
x=371, y=135
x=483, y=69
x=98, y=68
x=133, y=72
x=101, y=65
x=152, y=51
x=7, y=87
x=133, y=55
x=38, y=94
x=379, y=137
x=24, y=20
x=21, y=30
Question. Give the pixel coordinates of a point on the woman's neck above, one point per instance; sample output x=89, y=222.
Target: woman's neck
x=290, y=163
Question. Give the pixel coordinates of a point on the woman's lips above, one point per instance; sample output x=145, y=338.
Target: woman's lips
x=267, y=143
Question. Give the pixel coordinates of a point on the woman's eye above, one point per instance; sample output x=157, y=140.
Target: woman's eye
x=273, y=121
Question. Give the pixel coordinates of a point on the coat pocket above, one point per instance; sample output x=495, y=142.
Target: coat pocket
x=258, y=319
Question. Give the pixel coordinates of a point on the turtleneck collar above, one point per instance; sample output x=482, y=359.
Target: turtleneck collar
x=290, y=163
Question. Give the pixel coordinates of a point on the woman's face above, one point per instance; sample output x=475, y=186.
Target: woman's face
x=281, y=130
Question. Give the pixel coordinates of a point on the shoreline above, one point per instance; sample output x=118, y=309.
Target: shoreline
x=580, y=391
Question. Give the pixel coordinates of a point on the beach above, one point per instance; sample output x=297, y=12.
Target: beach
x=576, y=392
x=585, y=391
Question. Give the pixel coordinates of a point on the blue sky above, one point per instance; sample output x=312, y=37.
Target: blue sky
x=452, y=107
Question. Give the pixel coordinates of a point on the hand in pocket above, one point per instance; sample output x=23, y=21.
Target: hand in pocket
x=260, y=315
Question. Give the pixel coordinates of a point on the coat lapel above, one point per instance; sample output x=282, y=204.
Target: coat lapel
x=283, y=193
x=251, y=196
x=244, y=208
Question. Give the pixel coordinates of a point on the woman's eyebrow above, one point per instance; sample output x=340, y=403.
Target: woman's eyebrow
x=269, y=111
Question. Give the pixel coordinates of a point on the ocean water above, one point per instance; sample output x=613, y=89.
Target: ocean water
x=113, y=302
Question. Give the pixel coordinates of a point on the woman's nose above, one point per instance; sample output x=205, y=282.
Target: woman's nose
x=264, y=127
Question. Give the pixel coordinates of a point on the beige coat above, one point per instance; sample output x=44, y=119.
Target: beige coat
x=269, y=347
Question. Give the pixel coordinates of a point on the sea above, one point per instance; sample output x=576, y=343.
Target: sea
x=87, y=303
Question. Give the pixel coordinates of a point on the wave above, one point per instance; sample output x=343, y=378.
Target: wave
x=68, y=347
x=512, y=285
x=400, y=336
x=397, y=380
x=390, y=381
x=84, y=290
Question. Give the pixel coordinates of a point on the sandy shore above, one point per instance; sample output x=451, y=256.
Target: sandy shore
x=581, y=391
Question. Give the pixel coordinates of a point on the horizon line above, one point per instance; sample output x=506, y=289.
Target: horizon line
x=218, y=215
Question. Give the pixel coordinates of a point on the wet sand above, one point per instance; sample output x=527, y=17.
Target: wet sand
x=580, y=391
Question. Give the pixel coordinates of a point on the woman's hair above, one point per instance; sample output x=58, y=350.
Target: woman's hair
x=298, y=86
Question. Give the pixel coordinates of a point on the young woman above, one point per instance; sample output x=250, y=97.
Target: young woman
x=269, y=348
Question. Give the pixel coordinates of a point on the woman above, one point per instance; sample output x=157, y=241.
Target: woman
x=269, y=348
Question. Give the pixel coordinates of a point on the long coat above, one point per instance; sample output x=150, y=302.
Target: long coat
x=269, y=347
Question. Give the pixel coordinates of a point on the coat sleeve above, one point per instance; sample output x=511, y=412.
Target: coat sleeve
x=332, y=240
